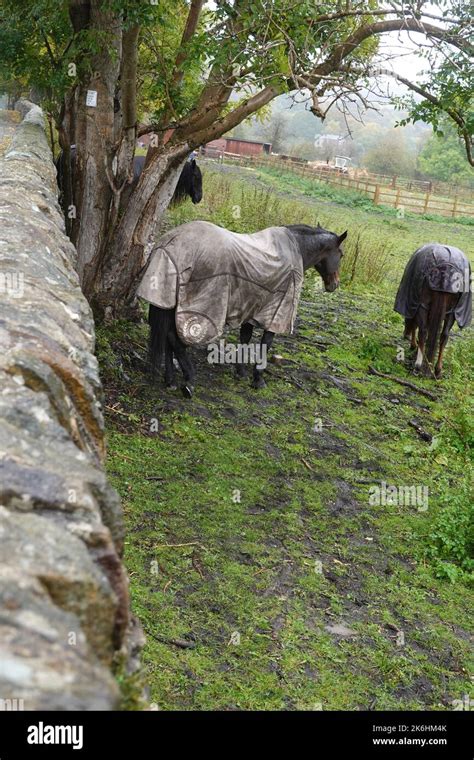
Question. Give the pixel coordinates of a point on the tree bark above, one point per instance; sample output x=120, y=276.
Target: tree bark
x=94, y=148
x=133, y=235
x=65, y=163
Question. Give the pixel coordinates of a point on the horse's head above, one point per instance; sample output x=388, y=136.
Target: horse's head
x=196, y=182
x=329, y=259
x=320, y=249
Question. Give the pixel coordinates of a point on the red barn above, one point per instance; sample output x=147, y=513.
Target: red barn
x=237, y=147
x=215, y=147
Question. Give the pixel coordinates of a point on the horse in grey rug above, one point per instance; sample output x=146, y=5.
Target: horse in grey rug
x=200, y=278
x=435, y=291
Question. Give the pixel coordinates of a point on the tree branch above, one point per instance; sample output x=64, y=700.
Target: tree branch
x=128, y=76
x=204, y=122
x=189, y=29
x=347, y=47
x=236, y=116
x=455, y=116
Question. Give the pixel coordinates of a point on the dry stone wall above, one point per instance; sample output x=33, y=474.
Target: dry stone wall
x=64, y=611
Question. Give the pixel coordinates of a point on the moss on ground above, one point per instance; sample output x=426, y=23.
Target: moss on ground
x=264, y=575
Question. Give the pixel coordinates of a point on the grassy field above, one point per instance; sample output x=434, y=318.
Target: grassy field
x=389, y=197
x=265, y=571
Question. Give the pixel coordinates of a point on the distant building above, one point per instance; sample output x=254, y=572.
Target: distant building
x=215, y=147
x=236, y=146
x=322, y=141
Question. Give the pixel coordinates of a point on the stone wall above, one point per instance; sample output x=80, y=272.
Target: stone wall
x=64, y=611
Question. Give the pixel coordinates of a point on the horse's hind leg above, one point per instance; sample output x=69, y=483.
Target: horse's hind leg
x=187, y=366
x=410, y=332
x=266, y=344
x=448, y=323
x=246, y=331
x=422, y=319
x=170, y=377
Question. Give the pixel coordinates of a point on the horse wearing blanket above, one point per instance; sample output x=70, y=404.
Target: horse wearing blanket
x=435, y=292
x=201, y=277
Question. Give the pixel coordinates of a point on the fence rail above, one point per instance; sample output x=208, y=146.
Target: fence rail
x=394, y=194
x=435, y=187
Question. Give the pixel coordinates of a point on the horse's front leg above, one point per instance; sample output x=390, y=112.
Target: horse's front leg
x=266, y=344
x=246, y=331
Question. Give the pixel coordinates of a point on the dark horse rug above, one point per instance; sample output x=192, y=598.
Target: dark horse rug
x=215, y=277
x=440, y=267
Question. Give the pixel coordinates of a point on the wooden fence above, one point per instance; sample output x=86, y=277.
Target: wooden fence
x=393, y=194
x=435, y=187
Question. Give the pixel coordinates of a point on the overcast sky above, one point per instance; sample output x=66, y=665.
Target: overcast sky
x=408, y=66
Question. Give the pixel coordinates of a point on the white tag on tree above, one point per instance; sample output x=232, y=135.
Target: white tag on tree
x=91, y=98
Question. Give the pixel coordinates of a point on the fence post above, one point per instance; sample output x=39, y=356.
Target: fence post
x=427, y=200
x=376, y=195
x=455, y=205
x=397, y=197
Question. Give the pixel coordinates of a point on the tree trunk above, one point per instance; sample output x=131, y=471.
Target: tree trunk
x=112, y=237
x=94, y=147
x=65, y=136
x=123, y=255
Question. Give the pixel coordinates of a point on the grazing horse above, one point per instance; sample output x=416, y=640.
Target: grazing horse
x=434, y=293
x=189, y=183
x=201, y=277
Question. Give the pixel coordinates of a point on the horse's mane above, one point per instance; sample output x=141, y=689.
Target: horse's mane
x=190, y=168
x=306, y=229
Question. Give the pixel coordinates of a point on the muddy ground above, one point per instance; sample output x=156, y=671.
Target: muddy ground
x=263, y=572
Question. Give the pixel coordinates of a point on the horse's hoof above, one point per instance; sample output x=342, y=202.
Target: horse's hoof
x=258, y=384
x=187, y=390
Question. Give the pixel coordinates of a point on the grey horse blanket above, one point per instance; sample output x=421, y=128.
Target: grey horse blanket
x=215, y=277
x=442, y=268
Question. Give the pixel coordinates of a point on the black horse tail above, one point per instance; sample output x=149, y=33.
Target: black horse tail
x=436, y=315
x=161, y=321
